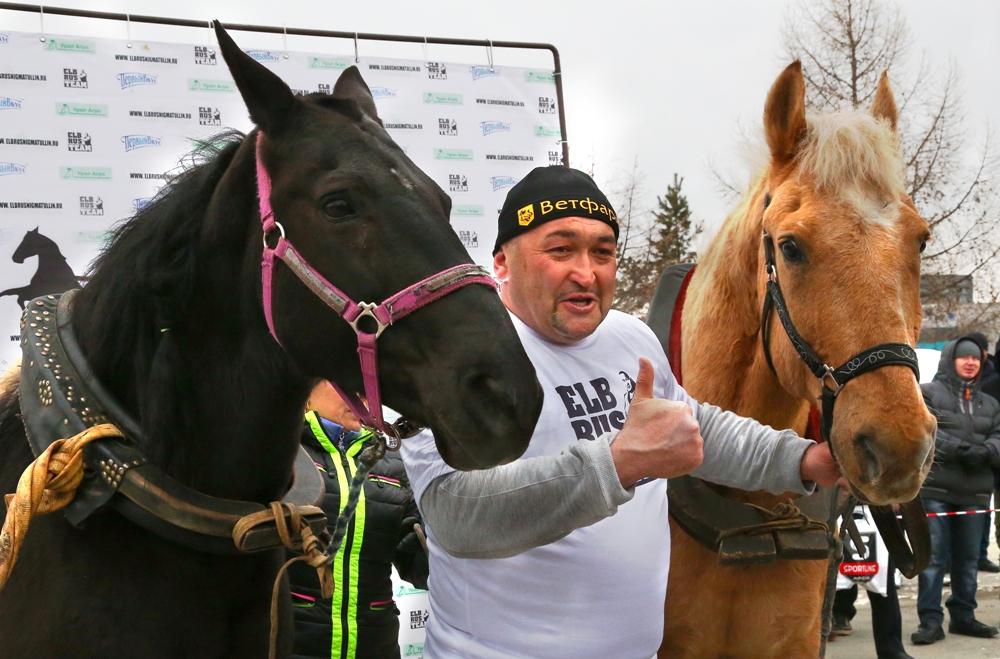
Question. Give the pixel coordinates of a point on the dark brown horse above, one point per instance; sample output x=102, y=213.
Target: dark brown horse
x=172, y=324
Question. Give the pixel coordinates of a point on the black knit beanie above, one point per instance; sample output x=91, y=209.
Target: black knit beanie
x=551, y=193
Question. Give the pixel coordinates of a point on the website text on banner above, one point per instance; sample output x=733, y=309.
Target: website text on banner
x=90, y=129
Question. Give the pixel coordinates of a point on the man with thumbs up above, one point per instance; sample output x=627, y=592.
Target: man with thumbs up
x=565, y=552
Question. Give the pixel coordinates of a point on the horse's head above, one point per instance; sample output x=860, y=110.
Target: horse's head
x=371, y=223
x=847, y=243
x=30, y=245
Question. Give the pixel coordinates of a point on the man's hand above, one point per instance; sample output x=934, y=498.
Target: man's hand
x=819, y=465
x=660, y=439
x=971, y=457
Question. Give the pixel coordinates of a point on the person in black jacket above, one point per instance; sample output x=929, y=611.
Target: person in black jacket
x=361, y=620
x=966, y=449
x=989, y=384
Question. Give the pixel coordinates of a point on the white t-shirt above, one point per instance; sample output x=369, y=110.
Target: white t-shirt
x=597, y=593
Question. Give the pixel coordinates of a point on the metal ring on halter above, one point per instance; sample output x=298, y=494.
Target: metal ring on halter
x=829, y=374
x=367, y=309
x=281, y=229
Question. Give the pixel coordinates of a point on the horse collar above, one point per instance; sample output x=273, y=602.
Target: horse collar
x=60, y=397
x=383, y=315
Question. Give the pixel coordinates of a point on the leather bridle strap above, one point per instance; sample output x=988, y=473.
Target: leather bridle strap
x=832, y=379
x=383, y=315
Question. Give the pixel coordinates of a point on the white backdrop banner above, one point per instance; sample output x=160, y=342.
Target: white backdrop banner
x=90, y=129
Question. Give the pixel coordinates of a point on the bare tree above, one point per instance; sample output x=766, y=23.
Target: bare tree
x=845, y=45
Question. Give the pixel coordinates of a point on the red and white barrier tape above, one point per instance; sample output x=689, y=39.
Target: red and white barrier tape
x=959, y=512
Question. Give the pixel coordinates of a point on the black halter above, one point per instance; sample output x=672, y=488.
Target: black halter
x=911, y=557
x=832, y=379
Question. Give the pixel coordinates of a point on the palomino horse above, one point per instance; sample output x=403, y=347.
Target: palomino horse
x=53, y=274
x=848, y=259
x=173, y=325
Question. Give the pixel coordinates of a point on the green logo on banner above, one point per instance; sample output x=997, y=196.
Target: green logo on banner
x=199, y=85
x=468, y=211
x=445, y=99
x=405, y=590
x=539, y=76
x=328, y=63
x=85, y=173
x=71, y=45
x=101, y=237
x=81, y=110
x=413, y=650
x=452, y=154
x=547, y=131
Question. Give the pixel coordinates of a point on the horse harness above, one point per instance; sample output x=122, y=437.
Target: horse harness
x=742, y=534
x=60, y=397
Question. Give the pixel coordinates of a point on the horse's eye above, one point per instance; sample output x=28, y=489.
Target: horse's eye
x=923, y=246
x=338, y=209
x=790, y=250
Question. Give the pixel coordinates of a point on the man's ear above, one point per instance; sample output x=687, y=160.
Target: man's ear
x=500, y=265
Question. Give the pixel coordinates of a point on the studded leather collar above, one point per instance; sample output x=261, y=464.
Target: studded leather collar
x=60, y=397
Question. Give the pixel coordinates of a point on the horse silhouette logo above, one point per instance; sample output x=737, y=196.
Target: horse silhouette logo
x=53, y=274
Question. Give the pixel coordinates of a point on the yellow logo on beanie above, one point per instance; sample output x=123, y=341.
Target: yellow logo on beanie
x=526, y=215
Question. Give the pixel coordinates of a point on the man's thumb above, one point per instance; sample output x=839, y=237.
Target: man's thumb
x=644, y=381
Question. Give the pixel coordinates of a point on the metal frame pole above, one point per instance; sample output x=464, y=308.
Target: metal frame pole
x=368, y=36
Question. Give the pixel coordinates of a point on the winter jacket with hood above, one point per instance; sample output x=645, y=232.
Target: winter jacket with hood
x=966, y=417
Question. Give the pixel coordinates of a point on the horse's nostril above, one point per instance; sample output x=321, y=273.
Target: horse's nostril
x=871, y=466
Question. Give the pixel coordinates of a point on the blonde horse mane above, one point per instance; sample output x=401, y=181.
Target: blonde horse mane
x=852, y=149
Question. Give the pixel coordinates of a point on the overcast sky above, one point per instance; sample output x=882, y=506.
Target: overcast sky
x=665, y=82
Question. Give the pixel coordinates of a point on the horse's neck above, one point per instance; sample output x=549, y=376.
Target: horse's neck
x=723, y=360
x=52, y=265
x=220, y=401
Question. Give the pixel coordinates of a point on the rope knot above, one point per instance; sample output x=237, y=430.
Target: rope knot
x=783, y=517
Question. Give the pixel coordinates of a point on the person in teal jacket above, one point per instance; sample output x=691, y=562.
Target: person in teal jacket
x=361, y=620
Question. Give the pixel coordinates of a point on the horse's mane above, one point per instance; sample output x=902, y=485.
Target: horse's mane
x=143, y=280
x=852, y=149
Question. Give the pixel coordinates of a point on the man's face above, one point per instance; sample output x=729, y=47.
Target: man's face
x=325, y=401
x=967, y=367
x=560, y=278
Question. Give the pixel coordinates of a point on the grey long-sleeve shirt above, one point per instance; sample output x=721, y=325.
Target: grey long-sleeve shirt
x=507, y=510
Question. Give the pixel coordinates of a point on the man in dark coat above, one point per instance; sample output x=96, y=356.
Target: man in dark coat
x=361, y=620
x=967, y=448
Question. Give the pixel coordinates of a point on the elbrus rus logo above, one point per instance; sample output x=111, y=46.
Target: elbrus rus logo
x=141, y=203
x=7, y=103
x=502, y=182
x=484, y=72
x=10, y=168
x=135, y=79
x=263, y=55
x=133, y=142
x=494, y=127
x=382, y=92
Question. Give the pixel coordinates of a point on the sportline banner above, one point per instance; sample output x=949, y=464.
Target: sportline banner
x=872, y=572
x=91, y=129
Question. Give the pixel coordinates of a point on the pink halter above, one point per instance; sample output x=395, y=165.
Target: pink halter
x=396, y=307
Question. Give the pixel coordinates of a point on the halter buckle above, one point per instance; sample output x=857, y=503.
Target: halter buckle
x=772, y=273
x=367, y=309
x=829, y=375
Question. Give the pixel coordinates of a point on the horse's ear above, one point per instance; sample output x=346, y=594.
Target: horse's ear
x=351, y=85
x=884, y=105
x=267, y=97
x=785, y=113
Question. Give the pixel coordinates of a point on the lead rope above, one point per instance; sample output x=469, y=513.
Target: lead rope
x=310, y=545
x=48, y=484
